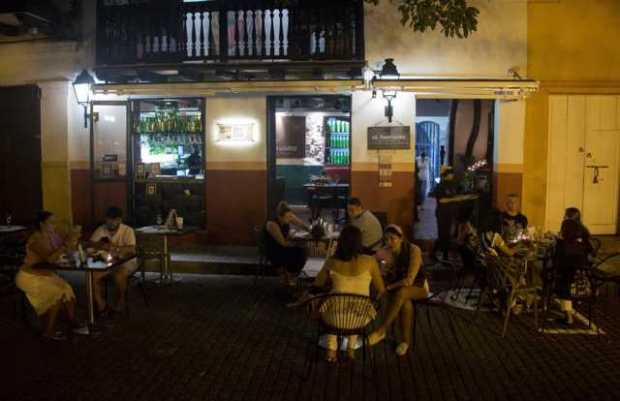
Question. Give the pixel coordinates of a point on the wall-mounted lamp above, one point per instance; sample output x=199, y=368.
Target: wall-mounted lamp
x=389, y=109
x=82, y=86
x=389, y=70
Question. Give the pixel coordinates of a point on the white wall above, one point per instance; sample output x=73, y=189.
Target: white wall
x=509, y=136
x=499, y=44
x=369, y=112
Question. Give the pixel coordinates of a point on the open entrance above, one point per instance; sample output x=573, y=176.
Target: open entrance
x=309, y=155
x=457, y=133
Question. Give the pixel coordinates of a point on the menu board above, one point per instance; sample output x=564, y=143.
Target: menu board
x=389, y=138
x=291, y=137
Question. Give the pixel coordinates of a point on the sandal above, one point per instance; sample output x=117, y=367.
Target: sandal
x=57, y=336
x=331, y=356
x=376, y=337
x=401, y=349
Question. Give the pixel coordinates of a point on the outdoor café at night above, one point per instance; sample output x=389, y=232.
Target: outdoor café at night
x=274, y=200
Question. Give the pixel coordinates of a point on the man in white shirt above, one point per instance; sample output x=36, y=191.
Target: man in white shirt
x=369, y=225
x=118, y=239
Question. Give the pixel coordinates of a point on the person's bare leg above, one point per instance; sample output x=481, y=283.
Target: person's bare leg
x=121, y=278
x=70, y=310
x=100, y=302
x=49, y=318
x=406, y=321
x=402, y=295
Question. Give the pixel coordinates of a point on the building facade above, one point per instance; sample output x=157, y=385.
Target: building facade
x=512, y=37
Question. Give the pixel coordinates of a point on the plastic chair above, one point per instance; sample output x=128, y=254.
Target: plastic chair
x=150, y=247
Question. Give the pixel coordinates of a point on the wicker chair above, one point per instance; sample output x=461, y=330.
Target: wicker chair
x=341, y=315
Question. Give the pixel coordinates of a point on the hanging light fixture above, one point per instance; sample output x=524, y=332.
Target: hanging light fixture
x=82, y=87
x=389, y=70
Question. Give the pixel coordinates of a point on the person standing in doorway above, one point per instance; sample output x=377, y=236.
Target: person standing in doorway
x=423, y=176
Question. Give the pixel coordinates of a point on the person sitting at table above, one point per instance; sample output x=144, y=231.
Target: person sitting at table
x=571, y=254
x=46, y=291
x=406, y=283
x=572, y=213
x=283, y=254
x=513, y=220
x=349, y=272
x=369, y=225
x=120, y=240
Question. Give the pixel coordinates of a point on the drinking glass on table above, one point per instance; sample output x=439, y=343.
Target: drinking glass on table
x=9, y=218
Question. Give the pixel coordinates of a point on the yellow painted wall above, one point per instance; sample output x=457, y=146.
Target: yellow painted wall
x=498, y=45
x=572, y=48
x=55, y=150
x=237, y=109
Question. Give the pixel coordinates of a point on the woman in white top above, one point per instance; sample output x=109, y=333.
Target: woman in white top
x=350, y=272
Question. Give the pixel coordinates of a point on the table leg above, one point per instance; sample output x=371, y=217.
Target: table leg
x=89, y=294
x=166, y=259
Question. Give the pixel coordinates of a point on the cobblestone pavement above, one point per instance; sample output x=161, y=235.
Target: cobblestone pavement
x=221, y=338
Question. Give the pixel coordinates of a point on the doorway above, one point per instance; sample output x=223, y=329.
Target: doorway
x=309, y=155
x=458, y=133
x=20, y=154
x=582, y=167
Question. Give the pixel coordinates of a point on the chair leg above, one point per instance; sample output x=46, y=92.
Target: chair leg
x=414, y=335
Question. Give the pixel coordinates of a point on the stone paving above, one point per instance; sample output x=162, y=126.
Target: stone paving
x=222, y=338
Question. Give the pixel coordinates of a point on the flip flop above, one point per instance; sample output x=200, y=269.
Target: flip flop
x=57, y=336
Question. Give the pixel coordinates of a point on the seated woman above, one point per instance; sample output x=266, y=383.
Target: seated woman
x=47, y=292
x=571, y=254
x=350, y=272
x=407, y=283
x=284, y=255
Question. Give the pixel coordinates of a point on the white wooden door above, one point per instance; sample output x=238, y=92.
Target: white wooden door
x=582, y=164
x=600, y=181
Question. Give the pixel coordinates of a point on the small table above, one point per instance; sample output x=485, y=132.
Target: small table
x=327, y=190
x=329, y=238
x=89, y=268
x=165, y=232
x=7, y=230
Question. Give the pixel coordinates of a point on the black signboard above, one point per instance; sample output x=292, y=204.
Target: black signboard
x=291, y=137
x=389, y=138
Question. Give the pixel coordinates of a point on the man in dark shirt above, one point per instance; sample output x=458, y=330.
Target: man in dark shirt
x=512, y=219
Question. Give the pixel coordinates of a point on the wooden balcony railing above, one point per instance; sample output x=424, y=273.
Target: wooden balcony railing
x=134, y=32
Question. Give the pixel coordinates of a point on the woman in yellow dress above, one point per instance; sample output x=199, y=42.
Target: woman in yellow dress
x=46, y=291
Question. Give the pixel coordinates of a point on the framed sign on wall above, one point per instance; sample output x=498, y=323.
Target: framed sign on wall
x=389, y=138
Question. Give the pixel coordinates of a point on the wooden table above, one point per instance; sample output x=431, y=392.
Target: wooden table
x=88, y=268
x=166, y=232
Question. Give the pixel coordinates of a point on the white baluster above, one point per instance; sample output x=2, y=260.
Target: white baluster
x=249, y=35
x=322, y=42
x=313, y=42
x=172, y=44
x=164, y=41
x=215, y=30
x=232, y=27
x=189, y=28
x=268, y=32
x=139, y=48
x=285, y=32
x=241, y=33
x=259, y=32
x=206, y=25
x=276, y=32
x=198, y=29
x=147, y=46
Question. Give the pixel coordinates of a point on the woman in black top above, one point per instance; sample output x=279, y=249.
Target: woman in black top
x=406, y=283
x=284, y=255
x=571, y=254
